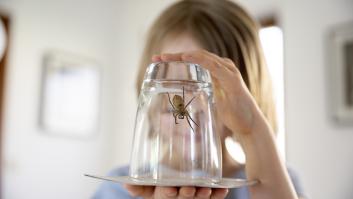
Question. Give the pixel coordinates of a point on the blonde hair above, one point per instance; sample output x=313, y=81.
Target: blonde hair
x=221, y=27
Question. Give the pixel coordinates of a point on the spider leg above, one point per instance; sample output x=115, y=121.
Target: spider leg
x=187, y=119
x=183, y=96
x=188, y=116
x=189, y=102
x=175, y=117
x=170, y=101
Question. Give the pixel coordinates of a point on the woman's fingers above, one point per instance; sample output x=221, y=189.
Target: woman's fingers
x=205, y=60
x=203, y=193
x=175, y=193
x=230, y=65
x=219, y=193
x=187, y=192
x=156, y=58
x=216, y=65
x=165, y=192
x=225, y=74
x=139, y=191
x=167, y=57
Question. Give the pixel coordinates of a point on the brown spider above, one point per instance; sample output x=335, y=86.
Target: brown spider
x=179, y=109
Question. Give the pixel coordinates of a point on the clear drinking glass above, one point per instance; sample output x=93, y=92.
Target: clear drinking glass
x=174, y=136
x=175, y=140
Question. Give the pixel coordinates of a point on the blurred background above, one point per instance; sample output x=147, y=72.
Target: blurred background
x=96, y=45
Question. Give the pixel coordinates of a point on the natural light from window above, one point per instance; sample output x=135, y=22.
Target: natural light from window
x=272, y=43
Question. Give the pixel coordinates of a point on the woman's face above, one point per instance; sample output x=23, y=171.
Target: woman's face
x=182, y=43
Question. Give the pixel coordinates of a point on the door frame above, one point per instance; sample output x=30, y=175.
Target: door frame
x=3, y=61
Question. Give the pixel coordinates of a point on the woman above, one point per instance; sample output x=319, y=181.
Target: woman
x=223, y=38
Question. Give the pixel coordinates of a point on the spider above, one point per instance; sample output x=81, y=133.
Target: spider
x=179, y=109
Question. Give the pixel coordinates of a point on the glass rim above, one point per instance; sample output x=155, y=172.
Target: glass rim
x=198, y=74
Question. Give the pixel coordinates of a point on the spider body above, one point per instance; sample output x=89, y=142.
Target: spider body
x=179, y=109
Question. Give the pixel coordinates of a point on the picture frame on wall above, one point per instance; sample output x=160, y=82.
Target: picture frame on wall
x=70, y=95
x=341, y=72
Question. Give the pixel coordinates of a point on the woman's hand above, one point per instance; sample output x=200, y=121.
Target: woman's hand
x=234, y=103
x=151, y=192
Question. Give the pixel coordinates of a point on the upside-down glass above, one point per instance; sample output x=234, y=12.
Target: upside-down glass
x=175, y=140
x=175, y=137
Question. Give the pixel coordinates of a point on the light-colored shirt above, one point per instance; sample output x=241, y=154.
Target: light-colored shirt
x=112, y=190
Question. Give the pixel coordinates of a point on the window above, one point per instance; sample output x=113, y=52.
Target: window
x=272, y=42
x=271, y=38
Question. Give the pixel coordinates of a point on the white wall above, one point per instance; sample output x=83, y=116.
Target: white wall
x=135, y=19
x=320, y=150
x=38, y=165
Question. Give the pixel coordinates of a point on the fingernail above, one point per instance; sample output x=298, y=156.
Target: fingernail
x=156, y=58
x=171, y=192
